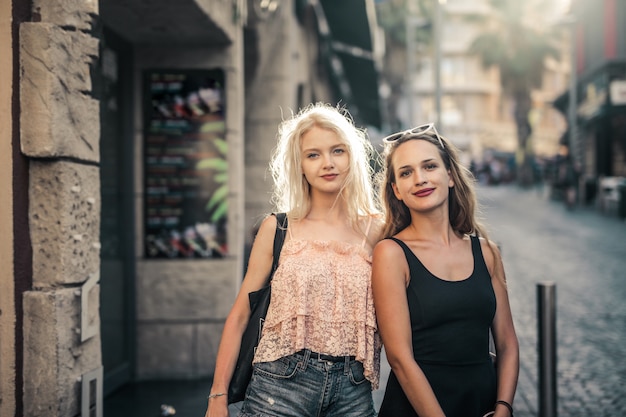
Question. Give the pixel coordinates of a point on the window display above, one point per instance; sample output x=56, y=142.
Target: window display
x=185, y=165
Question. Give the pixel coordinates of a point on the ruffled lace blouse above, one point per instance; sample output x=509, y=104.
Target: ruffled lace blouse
x=322, y=301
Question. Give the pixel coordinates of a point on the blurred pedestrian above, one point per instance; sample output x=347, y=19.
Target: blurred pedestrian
x=568, y=175
x=571, y=189
x=439, y=288
x=319, y=351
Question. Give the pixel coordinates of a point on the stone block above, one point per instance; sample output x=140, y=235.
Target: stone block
x=64, y=218
x=221, y=13
x=206, y=347
x=279, y=103
x=258, y=184
x=59, y=116
x=186, y=289
x=54, y=357
x=260, y=150
x=166, y=350
x=77, y=14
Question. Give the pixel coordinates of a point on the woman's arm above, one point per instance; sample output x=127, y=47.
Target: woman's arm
x=389, y=280
x=505, y=339
x=259, y=267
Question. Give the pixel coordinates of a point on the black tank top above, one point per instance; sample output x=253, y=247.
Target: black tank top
x=450, y=320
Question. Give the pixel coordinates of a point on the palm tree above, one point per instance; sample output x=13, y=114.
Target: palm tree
x=519, y=50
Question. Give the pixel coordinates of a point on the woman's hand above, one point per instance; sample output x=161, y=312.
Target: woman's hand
x=217, y=407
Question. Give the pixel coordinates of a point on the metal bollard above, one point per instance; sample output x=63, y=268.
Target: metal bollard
x=546, y=346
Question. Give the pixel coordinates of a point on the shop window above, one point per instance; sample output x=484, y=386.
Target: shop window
x=185, y=165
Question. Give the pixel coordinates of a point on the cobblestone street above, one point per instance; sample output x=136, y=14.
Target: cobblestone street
x=584, y=254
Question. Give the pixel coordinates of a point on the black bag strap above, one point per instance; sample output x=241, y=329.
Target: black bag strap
x=279, y=239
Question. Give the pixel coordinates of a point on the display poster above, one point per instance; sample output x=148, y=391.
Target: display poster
x=185, y=165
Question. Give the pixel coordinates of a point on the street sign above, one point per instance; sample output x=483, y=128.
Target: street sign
x=617, y=91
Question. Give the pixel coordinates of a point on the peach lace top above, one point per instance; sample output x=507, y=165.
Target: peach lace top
x=322, y=301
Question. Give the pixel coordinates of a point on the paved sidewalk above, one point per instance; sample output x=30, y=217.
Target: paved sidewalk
x=582, y=251
x=188, y=398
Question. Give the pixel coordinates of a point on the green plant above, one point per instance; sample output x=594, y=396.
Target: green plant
x=218, y=203
x=513, y=43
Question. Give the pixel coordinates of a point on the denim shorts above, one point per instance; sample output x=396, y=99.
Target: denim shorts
x=305, y=385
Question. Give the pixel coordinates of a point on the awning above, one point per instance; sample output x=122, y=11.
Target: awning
x=347, y=28
x=597, y=94
x=164, y=22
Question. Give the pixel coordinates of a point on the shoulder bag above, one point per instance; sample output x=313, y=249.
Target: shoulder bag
x=259, y=302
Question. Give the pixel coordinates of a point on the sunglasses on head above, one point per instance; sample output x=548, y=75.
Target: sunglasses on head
x=422, y=130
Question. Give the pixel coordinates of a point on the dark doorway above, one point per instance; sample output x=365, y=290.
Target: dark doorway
x=117, y=317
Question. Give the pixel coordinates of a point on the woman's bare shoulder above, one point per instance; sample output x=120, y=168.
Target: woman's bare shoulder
x=386, y=248
x=267, y=226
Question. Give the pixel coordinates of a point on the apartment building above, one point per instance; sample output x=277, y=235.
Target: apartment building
x=475, y=114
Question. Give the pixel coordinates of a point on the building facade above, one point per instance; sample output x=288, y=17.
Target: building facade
x=474, y=111
x=135, y=138
x=598, y=144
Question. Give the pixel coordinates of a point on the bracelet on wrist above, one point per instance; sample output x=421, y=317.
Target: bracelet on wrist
x=217, y=394
x=507, y=405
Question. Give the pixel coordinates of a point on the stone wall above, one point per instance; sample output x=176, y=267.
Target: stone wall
x=7, y=303
x=60, y=133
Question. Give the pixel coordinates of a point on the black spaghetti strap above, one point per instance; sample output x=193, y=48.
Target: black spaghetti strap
x=475, y=243
x=479, y=260
x=279, y=239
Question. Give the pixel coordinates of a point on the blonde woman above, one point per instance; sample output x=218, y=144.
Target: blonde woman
x=439, y=288
x=319, y=350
